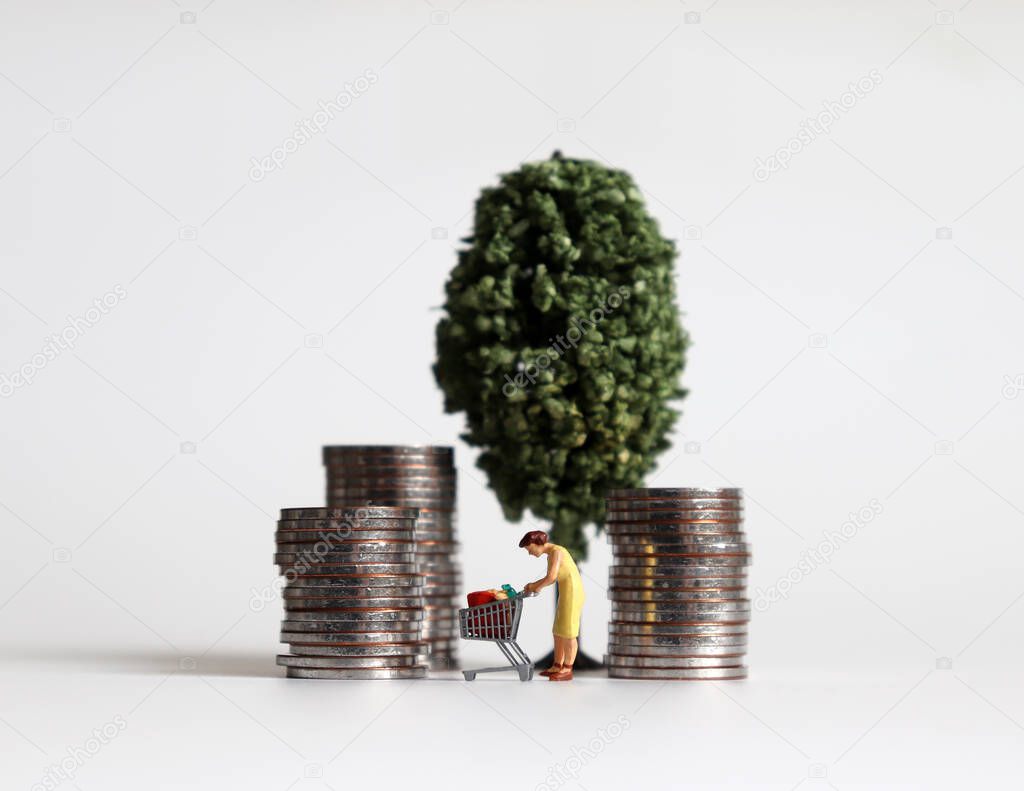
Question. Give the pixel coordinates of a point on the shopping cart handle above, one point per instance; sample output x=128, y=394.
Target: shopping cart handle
x=527, y=595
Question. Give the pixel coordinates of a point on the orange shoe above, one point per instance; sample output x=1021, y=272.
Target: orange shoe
x=556, y=668
x=565, y=674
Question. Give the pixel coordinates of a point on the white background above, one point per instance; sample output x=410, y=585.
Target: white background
x=844, y=353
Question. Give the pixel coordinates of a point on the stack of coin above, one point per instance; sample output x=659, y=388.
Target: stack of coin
x=677, y=584
x=421, y=477
x=353, y=597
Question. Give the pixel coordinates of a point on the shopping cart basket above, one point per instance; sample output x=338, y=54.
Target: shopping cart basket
x=497, y=621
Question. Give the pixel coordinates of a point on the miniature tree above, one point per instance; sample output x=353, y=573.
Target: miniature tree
x=562, y=341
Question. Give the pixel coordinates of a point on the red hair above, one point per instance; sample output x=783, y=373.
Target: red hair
x=534, y=537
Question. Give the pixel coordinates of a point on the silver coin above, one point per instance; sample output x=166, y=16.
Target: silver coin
x=420, y=504
x=371, y=486
x=314, y=536
x=675, y=494
x=679, y=674
x=436, y=574
x=441, y=623
x=443, y=634
x=452, y=579
x=685, y=624
x=381, y=547
x=673, y=539
x=644, y=578
x=369, y=466
x=424, y=535
x=358, y=568
x=440, y=644
x=347, y=525
x=440, y=565
x=436, y=519
x=363, y=662
x=354, y=674
x=621, y=559
x=372, y=473
x=344, y=631
x=440, y=615
x=443, y=451
x=734, y=618
x=687, y=582
x=350, y=591
x=356, y=581
x=680, y=503
x=673, y=548
x=389, y=450
x=439, y=532
x=318, y=561
x=300, y=605
x=391, y=649
x=359, y=615
x=429, y=495
x=383, y=491
x=432, y=547
x=674, y=612
x=673, y=521
x=647, y=596
x=695, y=629
x=435, y=625
x=679, y=514
x=350, y=545
x=376, y=512
x=670, y=646
x=390, y=637
x=714, y=605
x=400, y=503
x=648, y=507
x=662, y=493
x=615, y=660
x=662, y=532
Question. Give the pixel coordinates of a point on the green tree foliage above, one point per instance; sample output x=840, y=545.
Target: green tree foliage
x=562, y=341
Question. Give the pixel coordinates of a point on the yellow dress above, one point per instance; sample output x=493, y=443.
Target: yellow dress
x=570, y=596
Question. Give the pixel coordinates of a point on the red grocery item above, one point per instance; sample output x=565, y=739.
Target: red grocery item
x=479, y=597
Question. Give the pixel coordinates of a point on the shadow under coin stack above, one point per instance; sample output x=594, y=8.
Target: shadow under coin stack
x=421, y=477
x=353, y=598
x=678, y=584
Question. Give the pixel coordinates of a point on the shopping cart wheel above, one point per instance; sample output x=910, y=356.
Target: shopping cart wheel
x=469, y=675
x=525, y=672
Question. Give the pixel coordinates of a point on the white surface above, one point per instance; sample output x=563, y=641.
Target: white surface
x=126, y=555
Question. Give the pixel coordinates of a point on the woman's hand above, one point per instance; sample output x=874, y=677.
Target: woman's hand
x=530, y=587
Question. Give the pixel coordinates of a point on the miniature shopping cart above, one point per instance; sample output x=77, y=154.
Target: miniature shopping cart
x=497, y=621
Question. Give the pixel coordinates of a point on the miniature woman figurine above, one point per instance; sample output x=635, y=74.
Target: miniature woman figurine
x=561, y=569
